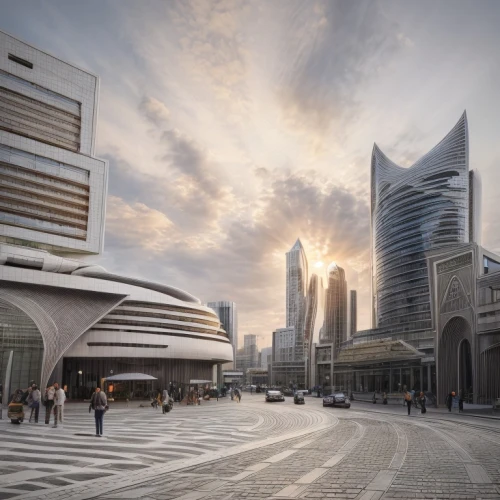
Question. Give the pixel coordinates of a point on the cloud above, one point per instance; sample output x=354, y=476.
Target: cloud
x=243, y=257
x=154, y=110
x=337, y=47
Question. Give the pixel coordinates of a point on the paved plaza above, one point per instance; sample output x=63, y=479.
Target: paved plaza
x=226, y=450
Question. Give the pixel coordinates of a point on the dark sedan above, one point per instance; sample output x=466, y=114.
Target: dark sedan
x=337, y=399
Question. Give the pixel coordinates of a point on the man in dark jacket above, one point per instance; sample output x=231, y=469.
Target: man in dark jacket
x=98, y=403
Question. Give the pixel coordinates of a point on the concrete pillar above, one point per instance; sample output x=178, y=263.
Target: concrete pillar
x=331, y=370
x=6, y=385
x=429, y=381
x=390, y=378
x=421, y=388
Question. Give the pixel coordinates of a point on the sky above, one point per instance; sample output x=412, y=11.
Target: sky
x=234, y=127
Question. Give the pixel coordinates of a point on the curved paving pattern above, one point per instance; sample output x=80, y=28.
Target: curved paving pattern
x=256, y=450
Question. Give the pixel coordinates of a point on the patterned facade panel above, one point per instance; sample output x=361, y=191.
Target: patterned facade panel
x=52, y=189
x=415, y=210
x=61, y=315
x=59, y=95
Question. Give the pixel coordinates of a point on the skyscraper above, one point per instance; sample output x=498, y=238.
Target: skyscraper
x=335, y=329
x=228, y=315
x=296, y=290
x=354, y=312
x=266, y=357
x=248, y=356
x=314, y=323
x=413, y=210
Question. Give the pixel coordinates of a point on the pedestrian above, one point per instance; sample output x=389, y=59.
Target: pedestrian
x=99, y=403
x=449, y=400
x=59, y=399
x=423, y=401
x=374, y=398
x=34, y=402
x=48, y=401
x=231, y=393
x=408, y=401
x=384, y=398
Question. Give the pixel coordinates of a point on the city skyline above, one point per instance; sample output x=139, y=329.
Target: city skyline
x=207, y=101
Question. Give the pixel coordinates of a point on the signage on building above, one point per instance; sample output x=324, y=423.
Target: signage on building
x=455, y=263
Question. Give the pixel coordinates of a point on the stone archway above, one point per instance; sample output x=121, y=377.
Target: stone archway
x=455, y=366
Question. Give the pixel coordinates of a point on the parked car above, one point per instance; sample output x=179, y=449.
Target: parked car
x=298, y=399
x=272, y=396
x=337, y=399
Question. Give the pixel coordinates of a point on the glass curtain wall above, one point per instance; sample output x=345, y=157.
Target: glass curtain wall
x=18, y=333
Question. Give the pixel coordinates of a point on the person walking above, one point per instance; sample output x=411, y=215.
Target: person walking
x=408, y=401
x=59, y=399
x=449, y=400
x=423, y=402
x=384, y=398
x=34, y=402
x=98, y=402
x=48, y=400
x=237, y=393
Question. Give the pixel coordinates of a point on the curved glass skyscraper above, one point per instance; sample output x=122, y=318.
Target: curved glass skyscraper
x=335, y=329
x=415, y=209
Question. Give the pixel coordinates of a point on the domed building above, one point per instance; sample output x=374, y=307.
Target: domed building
x=64, y=319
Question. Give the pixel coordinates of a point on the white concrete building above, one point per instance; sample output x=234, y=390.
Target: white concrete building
x=65, y=319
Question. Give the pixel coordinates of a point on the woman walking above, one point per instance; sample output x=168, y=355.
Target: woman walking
x=408, y=401
x=98, y=402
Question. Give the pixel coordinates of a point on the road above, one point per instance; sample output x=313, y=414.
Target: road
x=252, y=449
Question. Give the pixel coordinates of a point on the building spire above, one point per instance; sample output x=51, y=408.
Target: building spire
x=297, y=245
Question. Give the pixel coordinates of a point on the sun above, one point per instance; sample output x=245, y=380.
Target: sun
x=318, y=264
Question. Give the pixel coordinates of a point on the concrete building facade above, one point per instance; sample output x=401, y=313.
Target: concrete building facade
x=63, y=318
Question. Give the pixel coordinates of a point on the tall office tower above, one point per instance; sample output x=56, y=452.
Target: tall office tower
x=248, y=356
x=335, y=329
x=296, y=289
x=266, y=357
x=314, y=323
x=228, y=315
x=354, y=312
x=315, y=311
x=427, y=206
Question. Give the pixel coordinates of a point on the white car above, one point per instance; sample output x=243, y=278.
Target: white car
x=274, y=396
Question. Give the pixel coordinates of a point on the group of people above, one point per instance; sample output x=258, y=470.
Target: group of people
x=53, y=399
x=412, y=398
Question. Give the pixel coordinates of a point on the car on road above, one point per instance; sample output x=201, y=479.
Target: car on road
x=298, y=399
x=337, y=399
x=272, y=396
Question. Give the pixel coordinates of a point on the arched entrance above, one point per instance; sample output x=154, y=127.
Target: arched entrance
x=455, y=367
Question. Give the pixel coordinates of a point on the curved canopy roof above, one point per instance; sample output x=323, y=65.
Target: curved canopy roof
x=130, y=376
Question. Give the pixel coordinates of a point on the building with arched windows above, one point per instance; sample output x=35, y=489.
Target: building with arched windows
x=435, y=308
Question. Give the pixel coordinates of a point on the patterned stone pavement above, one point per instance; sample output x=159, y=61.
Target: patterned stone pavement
x=224, y=450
